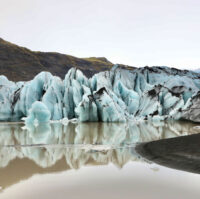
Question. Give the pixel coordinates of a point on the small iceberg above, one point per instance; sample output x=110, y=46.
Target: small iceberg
x=38, y=113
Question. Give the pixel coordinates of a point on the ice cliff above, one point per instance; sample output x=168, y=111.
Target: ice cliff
x=117, y=95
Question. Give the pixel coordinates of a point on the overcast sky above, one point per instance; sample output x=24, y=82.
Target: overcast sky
x=133, y=32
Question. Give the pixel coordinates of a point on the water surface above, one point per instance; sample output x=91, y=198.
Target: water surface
x=93, y=160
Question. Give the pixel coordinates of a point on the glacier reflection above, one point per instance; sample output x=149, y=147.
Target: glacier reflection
x=55, y=147
x=14, y=134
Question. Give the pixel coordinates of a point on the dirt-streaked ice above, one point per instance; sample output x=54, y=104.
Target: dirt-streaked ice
x=112, y=96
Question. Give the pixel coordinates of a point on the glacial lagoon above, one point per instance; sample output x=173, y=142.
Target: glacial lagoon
x=100, y=160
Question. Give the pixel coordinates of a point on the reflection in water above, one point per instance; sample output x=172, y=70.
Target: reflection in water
x=91, y=133
x=181, y=153
x=55, y=147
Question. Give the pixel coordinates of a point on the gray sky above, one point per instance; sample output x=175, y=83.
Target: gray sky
x=134, y=32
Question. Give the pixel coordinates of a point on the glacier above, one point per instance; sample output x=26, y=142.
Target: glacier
x=117, y=95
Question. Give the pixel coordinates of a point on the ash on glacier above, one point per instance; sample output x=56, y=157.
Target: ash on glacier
x=117, y=95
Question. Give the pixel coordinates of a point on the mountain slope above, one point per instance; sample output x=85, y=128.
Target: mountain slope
x=21, y=64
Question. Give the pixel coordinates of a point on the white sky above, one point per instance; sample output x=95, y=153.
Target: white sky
x=133, y=32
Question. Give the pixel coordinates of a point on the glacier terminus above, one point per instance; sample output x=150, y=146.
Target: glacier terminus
x=117, y=95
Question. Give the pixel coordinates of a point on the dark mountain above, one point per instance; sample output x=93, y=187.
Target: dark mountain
x=21, y=64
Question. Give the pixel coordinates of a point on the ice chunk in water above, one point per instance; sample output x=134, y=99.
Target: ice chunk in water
x=38, y=113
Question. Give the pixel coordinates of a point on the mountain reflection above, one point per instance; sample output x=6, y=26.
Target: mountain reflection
x=55, y=147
